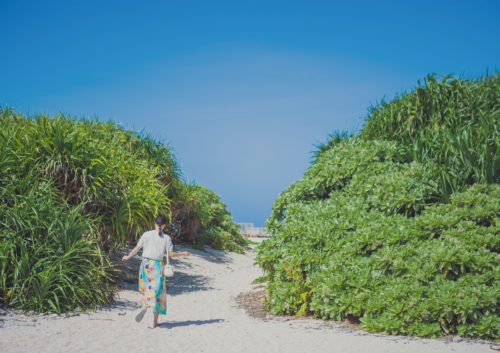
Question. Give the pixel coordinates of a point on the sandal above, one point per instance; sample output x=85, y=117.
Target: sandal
x=139, y=316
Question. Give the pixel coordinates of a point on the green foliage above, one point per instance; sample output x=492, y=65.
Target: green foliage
x=398, y=226
x=451, y=125
x=72, y=191
x=219, y=231
x=99, y=165
x=199, y=217
x=48, y=260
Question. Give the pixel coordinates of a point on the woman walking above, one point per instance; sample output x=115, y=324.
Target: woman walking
x=151, y=279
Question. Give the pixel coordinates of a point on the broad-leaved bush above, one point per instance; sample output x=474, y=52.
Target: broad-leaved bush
x=399, y=224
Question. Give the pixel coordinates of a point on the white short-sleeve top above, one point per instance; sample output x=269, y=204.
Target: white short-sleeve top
x=154, y=246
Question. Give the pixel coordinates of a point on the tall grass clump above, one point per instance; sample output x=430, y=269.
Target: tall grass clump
x=451, y=126
x=398, y=225
x=71, y=192
x=201, y=218
x=219, y=230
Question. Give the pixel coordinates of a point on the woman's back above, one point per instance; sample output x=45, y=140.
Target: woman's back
x=153, y=245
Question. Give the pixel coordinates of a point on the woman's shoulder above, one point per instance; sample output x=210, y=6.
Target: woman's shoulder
x=148, y=233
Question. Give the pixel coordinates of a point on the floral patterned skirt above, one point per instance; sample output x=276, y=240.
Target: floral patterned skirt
x=152, y=286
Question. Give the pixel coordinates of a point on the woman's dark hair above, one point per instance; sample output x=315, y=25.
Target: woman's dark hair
x=161, y=219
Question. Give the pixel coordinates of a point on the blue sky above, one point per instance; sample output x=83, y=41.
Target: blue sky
x=241, y=89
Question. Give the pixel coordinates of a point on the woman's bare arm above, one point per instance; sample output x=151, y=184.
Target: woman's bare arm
x=132, y=253
x=178, y=254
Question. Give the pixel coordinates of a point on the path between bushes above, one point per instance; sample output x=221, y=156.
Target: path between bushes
x=204, y=316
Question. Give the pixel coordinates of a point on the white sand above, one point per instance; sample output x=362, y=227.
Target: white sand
x=202, y=317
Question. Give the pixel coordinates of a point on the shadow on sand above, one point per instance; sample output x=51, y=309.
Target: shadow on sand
x=182, y=281
x=189, y=323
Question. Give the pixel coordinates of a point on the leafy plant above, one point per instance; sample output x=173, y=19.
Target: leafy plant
x=398, y=224
x=74, y=190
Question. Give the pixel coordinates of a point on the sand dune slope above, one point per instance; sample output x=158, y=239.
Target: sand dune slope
x=203, y=317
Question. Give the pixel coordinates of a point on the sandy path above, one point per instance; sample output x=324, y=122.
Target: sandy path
x=203, y=317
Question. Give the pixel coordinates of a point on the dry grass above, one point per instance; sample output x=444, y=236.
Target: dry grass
x=253, y=303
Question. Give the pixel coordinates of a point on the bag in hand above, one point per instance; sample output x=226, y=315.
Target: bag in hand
x=169, y=270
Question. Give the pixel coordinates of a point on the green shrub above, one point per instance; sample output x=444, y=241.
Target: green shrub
x=218, y=230
x=71, y=192
x=48, y=259
x=374, y=232
x=451, y=125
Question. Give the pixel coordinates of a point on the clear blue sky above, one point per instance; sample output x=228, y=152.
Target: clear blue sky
x=241, y=89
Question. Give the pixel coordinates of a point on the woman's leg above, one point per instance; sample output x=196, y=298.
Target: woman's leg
x=155, y=323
